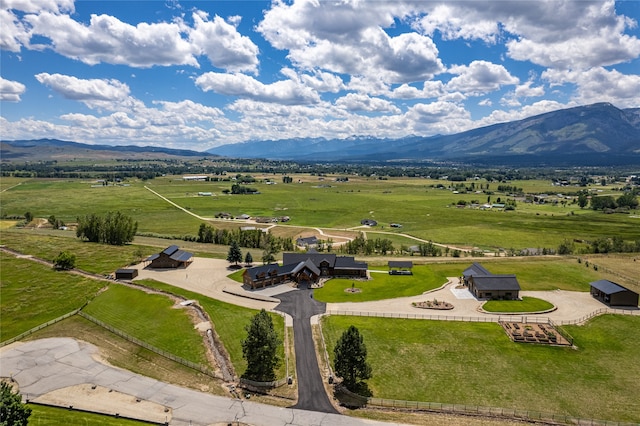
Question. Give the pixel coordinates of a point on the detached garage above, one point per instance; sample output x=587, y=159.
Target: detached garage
x=126, y=274
x=613, y=294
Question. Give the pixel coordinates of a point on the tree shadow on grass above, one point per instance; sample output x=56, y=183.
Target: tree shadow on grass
x=353, y=398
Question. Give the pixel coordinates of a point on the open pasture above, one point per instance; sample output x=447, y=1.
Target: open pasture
x=151, y=318
x=425, y=211
x=33, y=294
x=229, y=322
x=476, y=364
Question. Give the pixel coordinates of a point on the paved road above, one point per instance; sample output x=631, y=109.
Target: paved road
x=43, y=366
x=301, y=306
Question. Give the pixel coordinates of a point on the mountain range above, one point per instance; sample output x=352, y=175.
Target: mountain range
x=591, y=135
x=594, y=134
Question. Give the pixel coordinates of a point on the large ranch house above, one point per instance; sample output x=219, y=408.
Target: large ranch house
x=171, y=257
x=304, y=268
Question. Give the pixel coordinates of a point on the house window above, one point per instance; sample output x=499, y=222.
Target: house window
x=487, y=294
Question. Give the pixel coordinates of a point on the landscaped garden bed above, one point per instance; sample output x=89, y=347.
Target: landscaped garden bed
x=433, y=304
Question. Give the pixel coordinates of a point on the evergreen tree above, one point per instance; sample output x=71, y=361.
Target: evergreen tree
x=12, y=411
x=248, y=259
x=235, y=254
x=350, y=360
x=260, y=348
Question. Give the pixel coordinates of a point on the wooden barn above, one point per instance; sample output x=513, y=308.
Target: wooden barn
x=171, y=257
x=613, y=294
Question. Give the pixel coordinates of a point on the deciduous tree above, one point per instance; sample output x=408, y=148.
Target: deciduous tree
x=64, y=261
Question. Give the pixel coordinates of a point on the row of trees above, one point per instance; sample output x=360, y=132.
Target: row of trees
x=601, y=245
x=114, y=228
x=248, y=238
x=628, y=200
x=260, y=350
x=362, y=245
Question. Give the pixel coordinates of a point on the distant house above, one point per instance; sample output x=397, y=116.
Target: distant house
x=304, y=268
x=613, y=294
x=307, y=242
x=368, y=222
x=399, y=267
x=171, y=257
x=485, y=285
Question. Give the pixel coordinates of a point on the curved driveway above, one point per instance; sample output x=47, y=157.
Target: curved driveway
x=46, y=365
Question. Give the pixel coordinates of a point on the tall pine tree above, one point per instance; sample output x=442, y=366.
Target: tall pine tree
x=235, y=254
x=260, y=349
x=350, y=360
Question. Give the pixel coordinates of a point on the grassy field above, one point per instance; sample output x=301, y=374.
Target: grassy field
x=41, y=415
x=424, y=211
x=527, y=304
x=229, y=321
x=477, y=364
x=33, y=294
x=381, y=286
x=151, y=318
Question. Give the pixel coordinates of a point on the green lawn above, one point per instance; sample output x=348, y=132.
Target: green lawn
x=381, y=286
x=229, y=322
x=41, y=415
x=33, y=294
x=527, y=304
x=477, y=364
x=151, y=318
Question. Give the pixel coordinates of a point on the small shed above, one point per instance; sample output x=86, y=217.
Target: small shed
x=126, y=274
x=613, y=294
x=400, y=267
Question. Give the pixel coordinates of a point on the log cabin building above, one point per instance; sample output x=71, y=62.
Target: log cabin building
x=304, y=268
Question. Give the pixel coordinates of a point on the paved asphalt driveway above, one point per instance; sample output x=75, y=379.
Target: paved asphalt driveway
x=302, y=306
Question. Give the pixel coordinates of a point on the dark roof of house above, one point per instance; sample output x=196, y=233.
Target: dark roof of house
x=267, y=269
x=475, y=269
x=346, y=262
x=125, y=271
x=496, y=282
x=608, y=287
x=315, y=257
x=334, y=261
x=306, y=264
x=400, y=264
x=307, y=241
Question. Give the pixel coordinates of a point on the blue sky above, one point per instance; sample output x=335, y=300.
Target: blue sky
x=199, y=74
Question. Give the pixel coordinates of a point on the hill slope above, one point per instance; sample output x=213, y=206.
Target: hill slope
x=598, y=132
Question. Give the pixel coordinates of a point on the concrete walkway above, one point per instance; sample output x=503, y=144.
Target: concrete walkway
x=44, y=366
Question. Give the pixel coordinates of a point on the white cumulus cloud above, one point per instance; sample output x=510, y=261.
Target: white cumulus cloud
x=10, y=91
